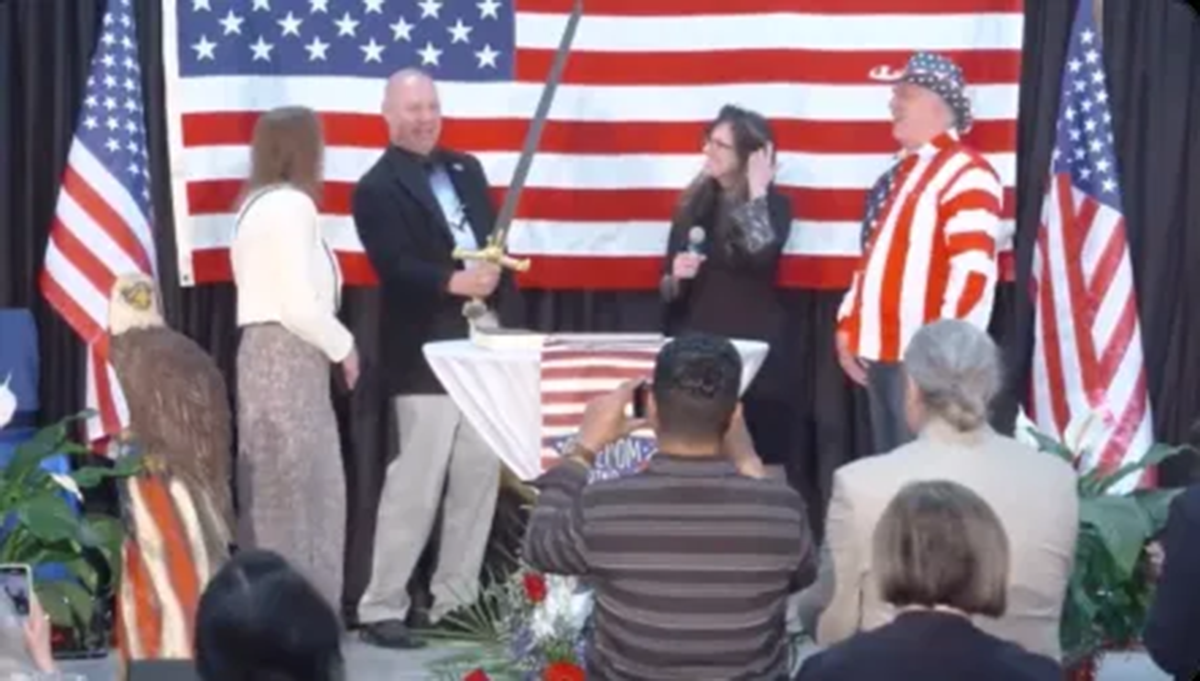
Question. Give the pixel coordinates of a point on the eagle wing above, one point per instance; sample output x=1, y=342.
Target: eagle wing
x=179, y=409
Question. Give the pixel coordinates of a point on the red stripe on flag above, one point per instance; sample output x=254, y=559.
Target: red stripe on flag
x=83, y=257
x=1075, y=226
x=980, y=67
x=102, y=212
x=66, y=306
x=1109, y=262
x=211, y=266
x=109, y=415
x=217, y=197
x=1050, y=336
x=718, y=7
x=367, y=131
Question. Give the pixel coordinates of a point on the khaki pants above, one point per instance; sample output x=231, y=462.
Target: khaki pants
x=438, y=449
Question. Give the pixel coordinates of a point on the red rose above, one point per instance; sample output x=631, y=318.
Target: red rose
x=477, y=675
x=563, y=671
x=535, y=587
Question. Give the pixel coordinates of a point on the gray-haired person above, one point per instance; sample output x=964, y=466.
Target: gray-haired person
x=952, y=373
x=942, y=557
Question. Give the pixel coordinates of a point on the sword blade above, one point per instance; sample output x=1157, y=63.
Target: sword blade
x=533, y=136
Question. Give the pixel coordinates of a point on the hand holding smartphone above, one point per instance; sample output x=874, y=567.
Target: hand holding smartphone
x=17, y=582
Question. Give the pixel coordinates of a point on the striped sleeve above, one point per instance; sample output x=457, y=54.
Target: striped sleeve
x=554, y=537
x=969, y=210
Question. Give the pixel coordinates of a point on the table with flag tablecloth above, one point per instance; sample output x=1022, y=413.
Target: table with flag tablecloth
x=502, y=391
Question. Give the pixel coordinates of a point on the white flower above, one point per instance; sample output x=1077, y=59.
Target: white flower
x=8, y=403
x=558, y=611
x=68, y=483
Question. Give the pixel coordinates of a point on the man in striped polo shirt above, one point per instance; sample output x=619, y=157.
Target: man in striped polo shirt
x=692, y=559
x=929, y=239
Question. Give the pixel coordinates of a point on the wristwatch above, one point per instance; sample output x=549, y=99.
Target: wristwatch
x=578, y=452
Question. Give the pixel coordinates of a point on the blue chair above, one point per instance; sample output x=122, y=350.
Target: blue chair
x=20, y=365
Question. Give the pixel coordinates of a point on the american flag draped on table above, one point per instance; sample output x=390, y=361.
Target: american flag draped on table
x=1088, y=348
x=625, y=129
x=102, y=223
x=576, y=371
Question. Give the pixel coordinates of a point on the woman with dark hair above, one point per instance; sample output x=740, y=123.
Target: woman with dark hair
x=727, y=233
x=260, y=620
x=291, y=486
x=941, y=558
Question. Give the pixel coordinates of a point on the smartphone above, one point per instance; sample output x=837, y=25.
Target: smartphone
x=17, y=581
x=639, y=400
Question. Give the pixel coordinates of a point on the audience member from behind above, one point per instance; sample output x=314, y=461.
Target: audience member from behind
x=941, y=556
x=693, y=558
x=1174, y=619
x=953, y=372
x=261, y=619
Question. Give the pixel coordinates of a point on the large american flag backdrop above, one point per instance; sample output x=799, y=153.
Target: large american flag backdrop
x=102, y=222
x=625, y=129
x=1088, y=357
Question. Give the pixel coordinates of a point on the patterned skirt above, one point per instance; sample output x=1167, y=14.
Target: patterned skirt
x=290, y=481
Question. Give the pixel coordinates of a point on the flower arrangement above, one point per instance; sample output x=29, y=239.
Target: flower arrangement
x=528, y=627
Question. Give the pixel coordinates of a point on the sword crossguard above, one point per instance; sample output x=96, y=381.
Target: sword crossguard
x=494, y=254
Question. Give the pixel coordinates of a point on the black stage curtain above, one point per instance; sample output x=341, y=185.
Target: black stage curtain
x=1153, y=54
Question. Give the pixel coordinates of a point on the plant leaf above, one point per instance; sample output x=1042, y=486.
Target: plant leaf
x=1154, y=456
x=1051, y=446
x=1122, y=526
x=55, y=605
x=76, y=599
x=49, y=518
x=1157, y=505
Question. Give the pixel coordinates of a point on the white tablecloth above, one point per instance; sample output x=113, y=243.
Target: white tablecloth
x=499, y=392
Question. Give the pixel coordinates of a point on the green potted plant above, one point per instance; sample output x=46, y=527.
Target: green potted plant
x=1110, y=589
x=42, y=527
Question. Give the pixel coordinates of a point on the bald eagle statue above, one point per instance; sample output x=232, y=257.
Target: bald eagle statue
x=178, y=510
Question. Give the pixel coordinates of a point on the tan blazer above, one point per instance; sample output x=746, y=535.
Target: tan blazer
x=1033, y=493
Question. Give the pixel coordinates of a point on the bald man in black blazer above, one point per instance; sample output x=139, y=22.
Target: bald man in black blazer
x=412, y=208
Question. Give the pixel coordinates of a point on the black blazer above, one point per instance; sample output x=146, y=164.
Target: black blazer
x=928, y=646
x=409, y=244
x=1173, y=625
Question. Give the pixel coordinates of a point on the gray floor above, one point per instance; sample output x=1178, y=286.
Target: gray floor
x=372, y=664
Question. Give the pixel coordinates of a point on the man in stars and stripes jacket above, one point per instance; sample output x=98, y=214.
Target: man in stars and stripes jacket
x=929, y=240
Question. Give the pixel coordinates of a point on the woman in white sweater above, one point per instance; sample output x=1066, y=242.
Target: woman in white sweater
x=291, y=485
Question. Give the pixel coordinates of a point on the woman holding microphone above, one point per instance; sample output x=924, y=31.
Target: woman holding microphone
x=727, y=233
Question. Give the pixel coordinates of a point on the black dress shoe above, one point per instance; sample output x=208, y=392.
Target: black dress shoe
x=390, y=634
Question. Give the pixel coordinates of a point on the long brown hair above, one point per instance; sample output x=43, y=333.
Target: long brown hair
x=288, y=146
x=700, y=201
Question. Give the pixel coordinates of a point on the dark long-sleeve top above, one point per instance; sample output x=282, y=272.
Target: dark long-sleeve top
x=1173, y=625
x=930, y=646
x=734, y=293
x=691, y=565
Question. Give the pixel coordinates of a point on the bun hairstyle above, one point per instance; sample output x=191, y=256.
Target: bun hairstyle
x=956, y=368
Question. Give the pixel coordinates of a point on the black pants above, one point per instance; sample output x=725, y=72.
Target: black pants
x=886, y=386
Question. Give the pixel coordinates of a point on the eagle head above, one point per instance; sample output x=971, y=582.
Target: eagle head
x=133, y=304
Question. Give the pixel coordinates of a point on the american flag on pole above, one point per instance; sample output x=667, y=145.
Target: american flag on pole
x=575, y=371
x=1088, y=348
x=102, y=223
x=625, y=130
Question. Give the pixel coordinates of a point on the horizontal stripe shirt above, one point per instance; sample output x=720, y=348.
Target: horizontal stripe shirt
x=691, y=564
x=932, y=254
